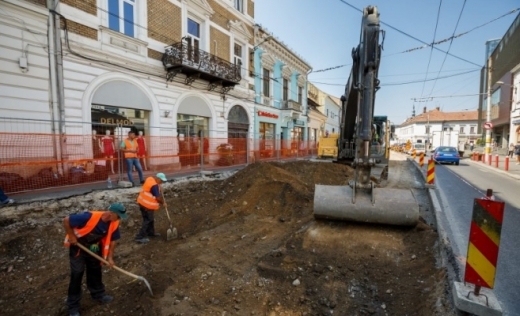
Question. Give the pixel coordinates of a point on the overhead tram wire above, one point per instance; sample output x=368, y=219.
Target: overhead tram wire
x=431, y=50
x=413, y=37
x=449, y=47
x=401, y=83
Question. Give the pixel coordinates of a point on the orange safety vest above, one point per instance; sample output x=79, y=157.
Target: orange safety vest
x=131, y=145
x=92, y=222
x=146, y=198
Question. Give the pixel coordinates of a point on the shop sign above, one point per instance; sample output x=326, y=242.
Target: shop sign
x=267, y=114
x=116, y=121
x=299, y=122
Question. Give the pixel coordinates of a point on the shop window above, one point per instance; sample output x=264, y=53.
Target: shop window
x=121, y=15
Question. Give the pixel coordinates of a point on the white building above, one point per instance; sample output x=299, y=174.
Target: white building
x=332, y=109
x=166, y=68
x=422, y=127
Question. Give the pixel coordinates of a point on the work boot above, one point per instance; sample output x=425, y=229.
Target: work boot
x=142, y=240
x=104, y=299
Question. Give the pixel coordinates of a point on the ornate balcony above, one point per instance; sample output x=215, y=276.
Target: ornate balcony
x=182, y=57
x=292, y=108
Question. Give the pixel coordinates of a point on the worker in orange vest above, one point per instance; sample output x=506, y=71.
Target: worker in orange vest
x=130, y=148
x=150, y=199
x=98, y=231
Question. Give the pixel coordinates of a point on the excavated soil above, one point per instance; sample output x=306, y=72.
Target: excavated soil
x=248, y=245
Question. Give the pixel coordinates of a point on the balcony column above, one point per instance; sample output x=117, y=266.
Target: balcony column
x=259, y=72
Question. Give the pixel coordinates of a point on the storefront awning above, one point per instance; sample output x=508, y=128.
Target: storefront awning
x=122, y=94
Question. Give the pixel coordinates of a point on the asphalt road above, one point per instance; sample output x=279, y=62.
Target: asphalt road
x=457, y=186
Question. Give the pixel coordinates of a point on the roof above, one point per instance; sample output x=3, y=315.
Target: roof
x=437, y=115
x=335, y=100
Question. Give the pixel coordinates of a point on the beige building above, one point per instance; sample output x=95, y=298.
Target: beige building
x=168, y=68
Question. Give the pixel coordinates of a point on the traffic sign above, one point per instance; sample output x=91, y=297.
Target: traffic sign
x=488, y=125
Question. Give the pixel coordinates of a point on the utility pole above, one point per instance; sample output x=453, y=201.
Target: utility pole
x=488, y=112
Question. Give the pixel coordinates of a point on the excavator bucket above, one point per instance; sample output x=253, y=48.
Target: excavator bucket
x=393, y=204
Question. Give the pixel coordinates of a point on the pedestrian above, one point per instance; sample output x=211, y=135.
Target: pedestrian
x=150, y=198
x=511, y=150
x=517, y=152
x=471, y=146
x=130, y=148
x=4, y=199
x=98, y=231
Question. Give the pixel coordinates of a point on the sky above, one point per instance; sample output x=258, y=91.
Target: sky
x=323, y=33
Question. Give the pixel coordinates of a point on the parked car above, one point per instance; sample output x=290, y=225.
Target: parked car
x=446, y=154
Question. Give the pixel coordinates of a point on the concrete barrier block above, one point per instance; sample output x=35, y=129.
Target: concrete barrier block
x=477, y=305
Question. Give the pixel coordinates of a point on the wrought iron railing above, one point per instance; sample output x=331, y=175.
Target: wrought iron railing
x=183, y=54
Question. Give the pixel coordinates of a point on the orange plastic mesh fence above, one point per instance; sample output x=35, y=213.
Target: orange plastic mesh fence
x=35, y=161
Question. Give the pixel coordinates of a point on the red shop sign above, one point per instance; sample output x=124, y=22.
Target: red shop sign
x=267, y=114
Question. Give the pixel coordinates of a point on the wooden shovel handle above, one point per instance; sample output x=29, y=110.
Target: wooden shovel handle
x=106, y=262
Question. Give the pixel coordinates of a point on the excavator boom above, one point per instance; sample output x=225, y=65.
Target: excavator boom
x=363, y=144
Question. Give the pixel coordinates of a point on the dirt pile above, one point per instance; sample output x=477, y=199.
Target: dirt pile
x=249, y=245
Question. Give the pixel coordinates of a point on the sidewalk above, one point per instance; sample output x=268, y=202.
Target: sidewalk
x=513, y=171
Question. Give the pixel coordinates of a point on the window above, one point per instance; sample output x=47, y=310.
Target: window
x=239, y=5
x=472, y=129
x=300, y=92
x=121, y=16
x=238, y=57
x=427, y=129
x=327, y=112
x=266, y=82
x=461, y=131
x=285, y=89
x=193, y=40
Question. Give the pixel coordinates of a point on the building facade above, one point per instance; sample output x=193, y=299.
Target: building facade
x=280, y=83
x=422, y=128
x=498, y=78
x=165, y=68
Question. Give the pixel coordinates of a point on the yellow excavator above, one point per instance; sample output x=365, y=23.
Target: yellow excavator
x=379, y=192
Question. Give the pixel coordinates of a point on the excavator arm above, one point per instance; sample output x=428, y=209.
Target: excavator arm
x=362, y=144
x=357, y=126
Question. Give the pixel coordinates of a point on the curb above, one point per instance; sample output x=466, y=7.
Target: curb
x=459, y=290
x=494, y=169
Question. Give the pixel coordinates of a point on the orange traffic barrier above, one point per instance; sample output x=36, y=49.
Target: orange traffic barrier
x=484, y=242
x=421, y=160
x=496, y=161
x=430, y=173
x=413, y=154
x=506, y=164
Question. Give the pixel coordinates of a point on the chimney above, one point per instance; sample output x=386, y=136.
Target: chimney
x=437, y=108
x=424, y=110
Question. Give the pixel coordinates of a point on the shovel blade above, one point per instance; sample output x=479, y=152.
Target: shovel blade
x=171, y=233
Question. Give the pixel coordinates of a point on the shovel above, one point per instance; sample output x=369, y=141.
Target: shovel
x=137, y=277
x=171, y=233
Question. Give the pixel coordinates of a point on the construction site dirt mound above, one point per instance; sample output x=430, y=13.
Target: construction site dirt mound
x=248, y=245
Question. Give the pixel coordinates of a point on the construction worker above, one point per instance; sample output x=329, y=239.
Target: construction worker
x=150, y=198
x=98, y=231
x=130, y=148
